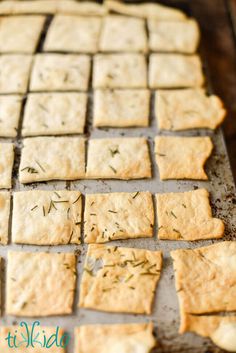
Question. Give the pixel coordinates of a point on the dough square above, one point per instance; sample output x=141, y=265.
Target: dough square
x=15, y=71
x=118, y=215
x=188, y=109
x=202, y=276
x=121, y=108
x=54, y=114
x=73, y=34
x=6, y=164
x=40, y=284
x=120, y=279
x=118, y=158
x=46, y=217
x=182, y=157
x=52, y=158
x=83, y=8
x=173, y=36
x=221, y=329
x=120, y=71
x=39, y=330
x=5, y=201
x=121, y=337
x=10, y=110
x=122, y=33
x=187, y=216
x=20, y=34
x=59, y=72
x=175, y=71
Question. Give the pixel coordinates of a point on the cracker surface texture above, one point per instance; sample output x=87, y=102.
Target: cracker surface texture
x=188, y=109
x=201, y=276
x=52, y=158
x=114, y=338
x=121, y=108
x=46, y=217
x=187, y=216
x=54, y=114
x=6, y=165
x=118, y=216
x=73, y=34
x=120, y=279
x=59, y=72
x=10, y=109
x=175, y=71
x=40, y=284
x=182, y=157
x=5, y=199
x=127, y=70
x=118, y=158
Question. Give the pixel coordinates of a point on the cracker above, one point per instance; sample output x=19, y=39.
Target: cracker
x=145, y=10
x=25, y=40
x=221, y=329
x=52, y=158
x=188, y=109
x=118, y=158
x=46, y=217
x=40, y=284
x=83, y=8
x=187, y=216
x=6, y=164
x=114, y=338
x=73, y=34
x=119, y=71
x=54, y=114
x=174, y=36
x=118, y=216
x=5, y=200
x=59, y=72
x=38, y=345
x=10, y=109
x=121, y=108
x=122, y=33
x=120, y=279
x=175, y=71
x=202, y=275
x=182, y=157
x=15, y=71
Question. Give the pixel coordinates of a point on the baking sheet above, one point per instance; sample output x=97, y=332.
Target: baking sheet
x=165, y=313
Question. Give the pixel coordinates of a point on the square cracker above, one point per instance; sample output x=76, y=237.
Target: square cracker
x=118, y=158
x=120, y=279
x=5, y=200
x=40, y=284
x=188, y=109
x=54, y=114
x=15, y=71
x=6, y=164
x=175, y=71
x=122, y=33
x=221, y=329
x=10, y=110
x=202, y=276
x=22, y=345
x=121, y=108
x=59, y=72
x=73, y=34
x=114, y=338
x=187, y=216
x=52, y=158
x=174, y=36
x=46, y=217
x=118, y=216
x=119, y=71
x=145, y=10
x=182, y=157
x=25, y=40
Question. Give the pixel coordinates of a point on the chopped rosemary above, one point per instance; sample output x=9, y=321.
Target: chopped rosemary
x=172, y=213
x=33, y=208
x=40, y=166
x=30, y=170
x=56, y=193
x=112, y=211
x=114, y=152
x=161, y=154
x=135, y=195
x=184, y=205
x=113, y=169
x=129, y=278
x=77, y=199
x=44, y=213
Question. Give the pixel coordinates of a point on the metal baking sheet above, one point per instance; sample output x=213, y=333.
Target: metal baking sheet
x=165, y=313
